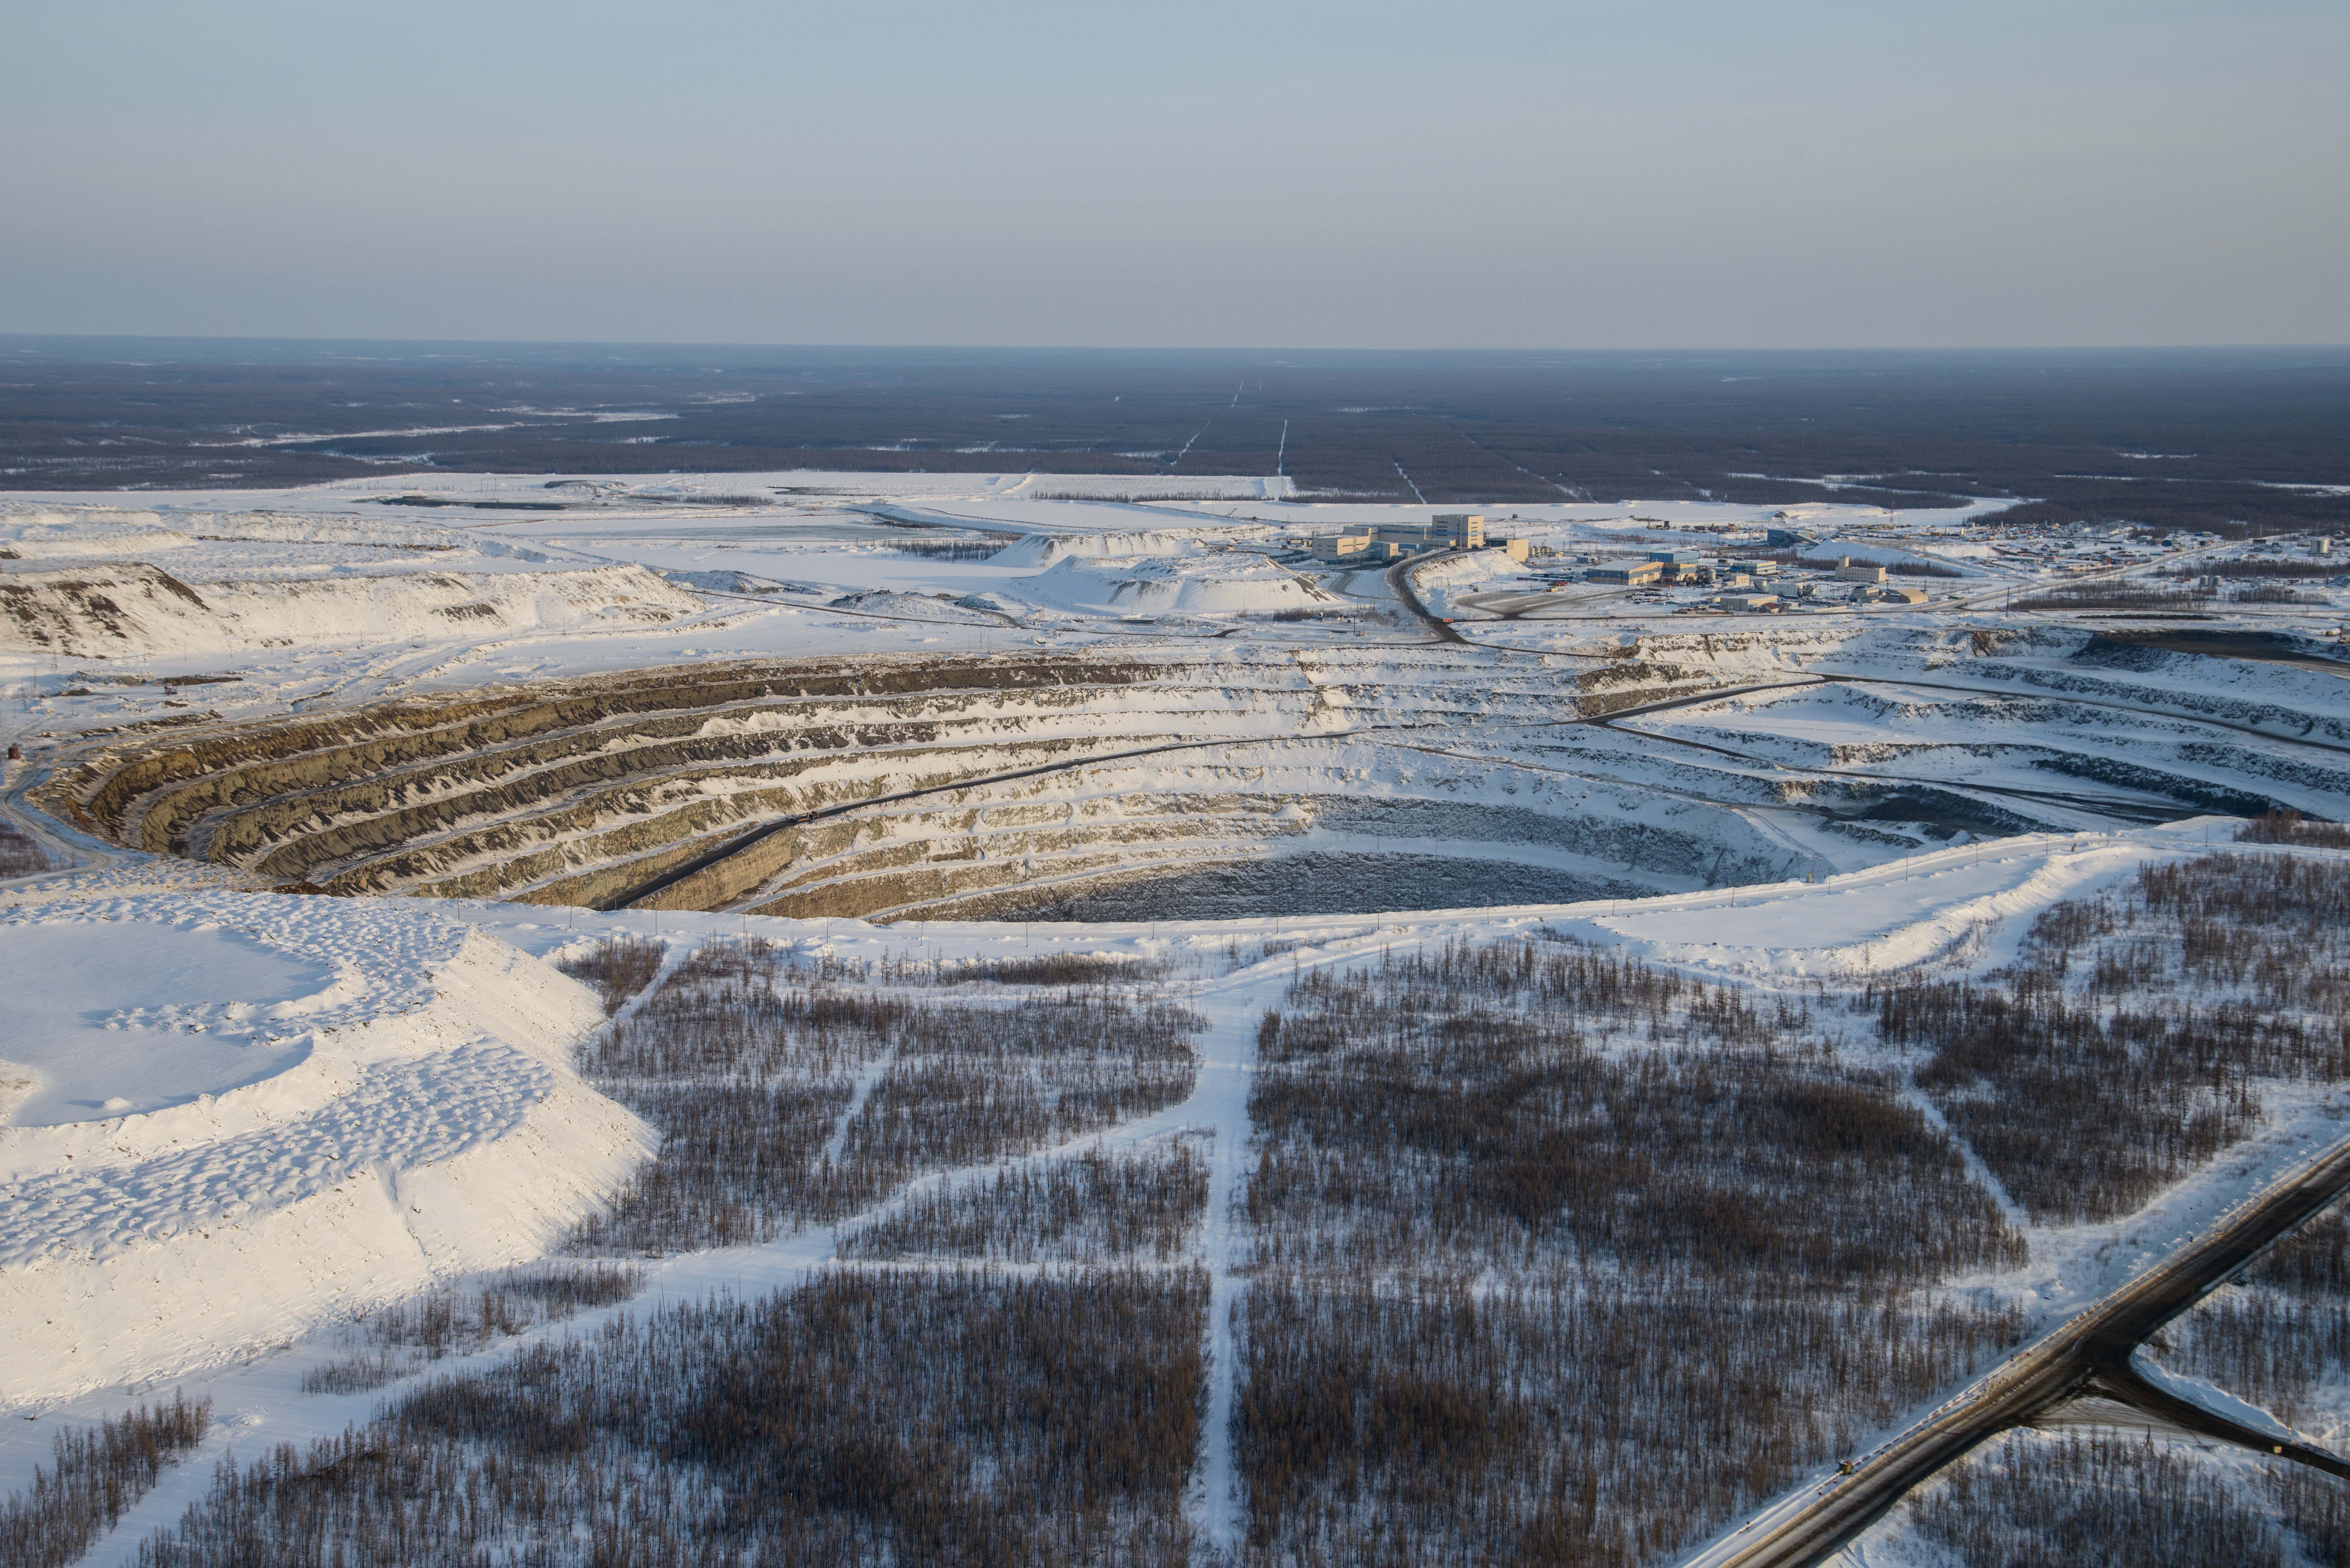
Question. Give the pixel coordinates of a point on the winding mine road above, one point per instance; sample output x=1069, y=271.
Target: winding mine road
x=2030, y=693
x=1399, y=579
x=2089, y=1355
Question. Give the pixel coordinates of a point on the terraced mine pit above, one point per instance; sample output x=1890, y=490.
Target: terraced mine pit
x=1248, y=782
x=1318, y=882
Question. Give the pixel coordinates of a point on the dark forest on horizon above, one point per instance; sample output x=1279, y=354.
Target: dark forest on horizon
x=2232, y=439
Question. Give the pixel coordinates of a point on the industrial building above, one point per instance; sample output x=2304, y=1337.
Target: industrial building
x=1337, y=547
x=1631, y=576
x=1446, y=531
x=1851, y=571
x=1465, y=530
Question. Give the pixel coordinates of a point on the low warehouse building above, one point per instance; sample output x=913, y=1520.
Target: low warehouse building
x=1632, y=575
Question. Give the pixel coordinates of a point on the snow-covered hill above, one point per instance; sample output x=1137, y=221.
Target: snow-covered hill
x=232, y=1116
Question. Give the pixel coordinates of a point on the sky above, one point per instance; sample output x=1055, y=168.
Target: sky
x=1482, y=174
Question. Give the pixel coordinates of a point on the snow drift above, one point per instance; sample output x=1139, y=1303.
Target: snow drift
x=421, y=1117
x=49, y=533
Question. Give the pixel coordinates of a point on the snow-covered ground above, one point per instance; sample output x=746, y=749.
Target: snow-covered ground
x=228, y=1118
x=233, y=1114
x=241, y=1115
x=378, y=586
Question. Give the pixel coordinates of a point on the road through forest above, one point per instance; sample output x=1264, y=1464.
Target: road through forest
x=2091, y=1353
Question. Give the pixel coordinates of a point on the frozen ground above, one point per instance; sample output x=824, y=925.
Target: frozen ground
x=231, y=1113
x=1755, y=746
x=418, y=1117
x=162, y=1010
x=229, y=1118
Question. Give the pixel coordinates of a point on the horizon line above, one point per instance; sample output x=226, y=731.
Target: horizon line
x=1079, y=349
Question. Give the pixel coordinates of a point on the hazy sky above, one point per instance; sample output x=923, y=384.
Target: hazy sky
x=1477, y=174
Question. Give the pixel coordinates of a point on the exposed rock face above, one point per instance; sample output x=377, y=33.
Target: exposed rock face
x=1002, y=785
x=110, y=609
x=876, y=789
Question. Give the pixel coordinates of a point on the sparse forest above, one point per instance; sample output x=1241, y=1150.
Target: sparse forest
x=616, y=969
x=1561, y=1258
x=1550, y=1256
x=952, y=1417
x=1097, y=1207
x=2304, y=569
x=947, y=1415
x=2116, y=596
x=2291, y=827
x=785, y=1100
x=1057, y=968
x=947, y=549
x=2131, y=1040
x=2280, y=1331
x=399, y=1338
x=19, y=856
x=2032, y=1500
x=94, y=1474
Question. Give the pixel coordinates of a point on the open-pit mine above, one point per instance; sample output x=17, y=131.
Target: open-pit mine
x=1226, y=781
x=875, y=1019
